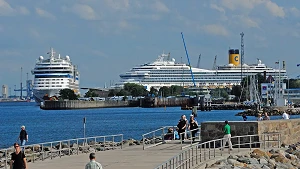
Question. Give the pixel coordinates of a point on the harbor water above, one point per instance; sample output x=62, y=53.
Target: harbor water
x=54, y=125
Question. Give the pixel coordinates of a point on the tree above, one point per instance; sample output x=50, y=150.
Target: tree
x=112, y=92
x=91, y=93
x=176, y=90
x=122, y=92
x=236, y=90
x=164, y=91
x=292, y=83
x=135, y=89
x=153, y=91
x=68, y=94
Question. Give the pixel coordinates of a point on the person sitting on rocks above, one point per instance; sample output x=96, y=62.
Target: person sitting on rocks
x=266, y=117
x=285, y=115
x=244, y=117
x=259, y=118
x=169, y=135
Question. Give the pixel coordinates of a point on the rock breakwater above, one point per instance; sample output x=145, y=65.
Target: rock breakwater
x=284, y=158
x=272, y=111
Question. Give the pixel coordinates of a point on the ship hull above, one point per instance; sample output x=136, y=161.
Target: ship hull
x=39, y=94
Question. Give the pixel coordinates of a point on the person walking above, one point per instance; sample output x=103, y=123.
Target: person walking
x=93, y=164
x=227, y=136
x=23, y=136
x=18, y=160
x=193, y=127
x=182, y=125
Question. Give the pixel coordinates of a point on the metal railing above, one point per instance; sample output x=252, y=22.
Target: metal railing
x=197, y=154
x=158, y=136
x=50, y=150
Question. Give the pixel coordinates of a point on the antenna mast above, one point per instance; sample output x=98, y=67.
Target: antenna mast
x=215, y=63
x=199, y=58
x=242, y=54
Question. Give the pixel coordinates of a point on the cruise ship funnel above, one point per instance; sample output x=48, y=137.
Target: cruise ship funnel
x=234, y=57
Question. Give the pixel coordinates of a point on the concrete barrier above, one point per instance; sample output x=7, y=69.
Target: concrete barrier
x=289, y=129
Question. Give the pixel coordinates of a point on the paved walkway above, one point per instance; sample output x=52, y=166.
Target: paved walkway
x=132, y=157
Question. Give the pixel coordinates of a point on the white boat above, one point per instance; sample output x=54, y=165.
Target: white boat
x=52, y=75
x=166, y=72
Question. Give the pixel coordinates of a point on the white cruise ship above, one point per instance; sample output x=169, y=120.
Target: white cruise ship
x=166, y=72
x=53, y=74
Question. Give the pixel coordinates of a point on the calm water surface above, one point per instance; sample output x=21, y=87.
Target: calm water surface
x=54, y=125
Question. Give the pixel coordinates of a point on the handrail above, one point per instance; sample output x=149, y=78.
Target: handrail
x=42, y=151
x=197, y=154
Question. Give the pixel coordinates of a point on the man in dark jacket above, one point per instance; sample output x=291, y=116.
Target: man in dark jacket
x=23, y=136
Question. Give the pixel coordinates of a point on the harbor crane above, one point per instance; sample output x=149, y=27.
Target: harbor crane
x=187, y=55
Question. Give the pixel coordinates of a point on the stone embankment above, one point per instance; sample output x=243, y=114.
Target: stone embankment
x=38, y=153
x=272, y=111
x=273, y=159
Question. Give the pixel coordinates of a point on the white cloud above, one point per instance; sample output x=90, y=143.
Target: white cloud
x=249, y=22
x=84, y=11
x=236, y=4
x=218, y=8
x=126, y=25
x=118, y=4
x=23, y=10
x=43, y=13
x=274, y=9
x=243, y=5
x=295, y=11
x=215, y=29
x=34, y=33
x=160, y=7
x=5, y=9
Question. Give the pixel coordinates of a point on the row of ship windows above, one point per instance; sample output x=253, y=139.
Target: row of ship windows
x=181, y=81
x=51, y=86
x=49, y=83
x=42, y=72
x=43, y=64
x=49, y=79
x=45, y=68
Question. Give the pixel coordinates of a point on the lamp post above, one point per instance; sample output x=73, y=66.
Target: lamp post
x=288, y=90
x=84, y=121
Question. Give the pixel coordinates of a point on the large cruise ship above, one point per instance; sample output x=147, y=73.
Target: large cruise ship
x=53, y=74
x=166, y=72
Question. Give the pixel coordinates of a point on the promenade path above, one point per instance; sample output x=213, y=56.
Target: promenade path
x=130, y=157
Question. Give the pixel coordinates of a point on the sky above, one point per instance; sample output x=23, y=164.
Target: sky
x=105, y=38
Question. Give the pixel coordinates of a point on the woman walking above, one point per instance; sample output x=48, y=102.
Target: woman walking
x=193, y=127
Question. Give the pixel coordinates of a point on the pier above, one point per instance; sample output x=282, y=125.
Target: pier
x=247, y=136
x=77, y=104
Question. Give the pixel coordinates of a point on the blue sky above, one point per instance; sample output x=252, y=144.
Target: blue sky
x=108, y=37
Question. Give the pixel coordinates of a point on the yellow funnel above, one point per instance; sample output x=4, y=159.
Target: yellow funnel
x=234, y=57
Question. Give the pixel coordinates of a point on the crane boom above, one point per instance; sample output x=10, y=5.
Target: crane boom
x=187, y=55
